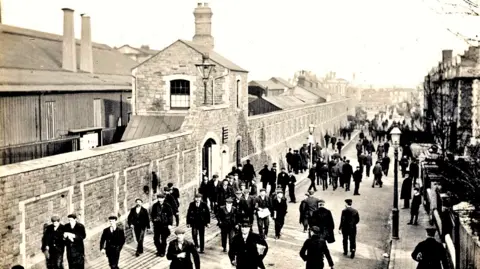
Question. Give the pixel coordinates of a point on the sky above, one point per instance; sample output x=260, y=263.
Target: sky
x=384, y=42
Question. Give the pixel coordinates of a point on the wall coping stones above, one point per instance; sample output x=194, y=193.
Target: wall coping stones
x=256, y=117
x=22, y=167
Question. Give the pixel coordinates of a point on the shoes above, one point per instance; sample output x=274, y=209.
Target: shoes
x=352, y=254
x=345, y=253
x=224, y=250
x=409, y=223
x=415, y=223
x=137, y=254
x=201, y=251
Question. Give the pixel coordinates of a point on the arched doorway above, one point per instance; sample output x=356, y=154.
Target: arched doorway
x=208, y=157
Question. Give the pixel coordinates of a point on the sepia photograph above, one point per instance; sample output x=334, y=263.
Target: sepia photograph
x=215, y=134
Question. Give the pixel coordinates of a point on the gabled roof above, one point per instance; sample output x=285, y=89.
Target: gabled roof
x=284, y=101
x=141, y=50
x=29, y=49
x=282, y=81
x=145, y=126
x=305, y=95
x=318, y=92
x=266, y=84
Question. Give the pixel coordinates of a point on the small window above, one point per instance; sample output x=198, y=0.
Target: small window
x=50, y=122
x=238, y=93
x=180, y=94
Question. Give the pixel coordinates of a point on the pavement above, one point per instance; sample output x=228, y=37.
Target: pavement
x=373, y=239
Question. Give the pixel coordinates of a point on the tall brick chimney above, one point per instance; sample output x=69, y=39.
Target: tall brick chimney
x=69, y=61
x=86, y=58
x=203, y=25
x=447, y=56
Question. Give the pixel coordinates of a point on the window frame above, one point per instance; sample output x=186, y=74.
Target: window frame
x=186, y=94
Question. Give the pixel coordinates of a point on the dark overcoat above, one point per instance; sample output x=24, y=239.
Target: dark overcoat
x=246, y=253
x=190, y=253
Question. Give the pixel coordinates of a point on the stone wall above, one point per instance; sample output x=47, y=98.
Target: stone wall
x=94, y=184
x=270, y=135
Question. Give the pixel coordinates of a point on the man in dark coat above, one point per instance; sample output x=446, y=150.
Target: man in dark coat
x=250, y=203
x=348, y=227
x=340, y=145
x=323, y=219
x=314, y=250
x=263, y=208
x=385, y=165
x=198, y=217
x=139, y=221
x=223, y=193
x=227, y=221
x=279, y=211
x=414, y=170
x=430, y=254
x=404, y=165
x=173, y=202
x=53, y=245
x=357, y=179
x=289, y=159
x=291, y=187
x=312, y=176
x=283, y=179
x=181, y=252
x=386, y=146
x=333, y=140
x=377, y=174
x=304, y=214
x=297, y=162
x=112, y=241
x=368, y=164
x=175, y=193
x=162, y=218
x=248, y=174
x=241, y=206
x=265, y=176
x=213, y=186
x=347, y=172
x=248, y=249
x=416, y=202
x=327, y=139
x=74, y=234
x=322, y=173
x=273, y=178
x=406, y=192
x=310, y=205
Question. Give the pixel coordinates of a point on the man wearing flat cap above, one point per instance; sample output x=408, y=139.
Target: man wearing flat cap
x=181, y=252
x=227, y=221
x=74, y=234
x=139, y=221
x=348, y=227
x=314, y=250
x=198, y=217
x=162, y=218
x=430, y=254
x=112, y=241
x=53, y=245
x=322, y=218
x=279, y=206
x=248, y=249
x=263, y=207
x=241, y=206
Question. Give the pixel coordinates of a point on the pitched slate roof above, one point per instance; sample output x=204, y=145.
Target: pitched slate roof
x=266, y=84
x=145, y=126
x=142, y=50
x=282, y=81
x=30, y=56
x=284, y=101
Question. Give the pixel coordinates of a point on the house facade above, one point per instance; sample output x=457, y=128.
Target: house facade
x=137, y=54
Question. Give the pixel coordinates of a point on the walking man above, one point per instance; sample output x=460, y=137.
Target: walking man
x=112, y=241
x=429, y=253
x=368, y=164
x=250, y=206
x=162, y=218
x=181, y=252
x=377, y=174
x=53, y=245
x=322, y=218
x=198, y=217
x=74, y=234
x=348, y=227
x=176, y=195
x=314, y=250
x=347, y=173
x=311, y=176
x=323, y=174
x=138, y=220
x=340, y=146
x=283, y=179
x=415, y=208
x=263, y=206
x=279, y=206
x=357, y=178
x=227, y=220
x=291, y=186
x=248, y=249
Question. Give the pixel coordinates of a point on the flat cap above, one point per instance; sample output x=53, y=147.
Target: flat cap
x=279, y=191
x=72, y=216
x=246, y=191
x=431, y=231
x=348, y=201
x=55, y=218
x=180, y=230
x=315, y=229
x=238, y=192
x=245, y=225
x=229, y=200
x=262, y=189
x=166, y=189
x=161, y=195
x=311, y=192
x=198, y=195
x=321, y=201
x=112, y=217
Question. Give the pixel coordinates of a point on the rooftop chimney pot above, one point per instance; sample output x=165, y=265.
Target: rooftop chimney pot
x=203, y=26
x=69, y=60
x=86, y=57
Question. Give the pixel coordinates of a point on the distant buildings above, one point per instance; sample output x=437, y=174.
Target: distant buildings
x=59, y=94
x=381, y=98
x=137, y=54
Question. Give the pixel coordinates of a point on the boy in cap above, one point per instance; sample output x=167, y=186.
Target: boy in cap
x=181, y=251
x=429, y=253
x=74, y=234
x=162, y=218
x=315, y=249
x=348, y=227
x=262, y=206
x=248, y=249
x=240, y=205
x=53, y=245
x=112, y=241
x=227, y=221
x=279, y=206
x=198, y=217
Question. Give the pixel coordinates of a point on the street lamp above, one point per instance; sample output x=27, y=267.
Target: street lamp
x=395, y=135
x=311, y=140
x=205, y=70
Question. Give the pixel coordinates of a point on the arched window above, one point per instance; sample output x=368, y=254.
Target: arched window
x=180, y=94
x=238, y=93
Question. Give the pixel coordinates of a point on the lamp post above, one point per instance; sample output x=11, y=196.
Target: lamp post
x=205, y=70
x=311, y=140
x=395, y=135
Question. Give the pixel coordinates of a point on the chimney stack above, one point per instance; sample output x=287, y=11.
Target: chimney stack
x=86, y=58
x=203, y=25
x=447, y=56
x=69, y=61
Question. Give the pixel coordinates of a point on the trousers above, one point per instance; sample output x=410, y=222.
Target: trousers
x=226, y=233
x=139, y=235
x=113, y=255
x=160, y=235
x=263, y=226
x=55, y=260
x=349, y=235
x=199, y=231
x=279, y=222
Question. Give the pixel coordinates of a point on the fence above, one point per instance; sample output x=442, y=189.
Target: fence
x=30, y=151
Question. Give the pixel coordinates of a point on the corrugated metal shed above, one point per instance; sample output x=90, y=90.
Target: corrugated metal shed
x=145, y=126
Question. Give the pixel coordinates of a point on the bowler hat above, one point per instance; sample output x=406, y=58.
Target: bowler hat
x=229, y=200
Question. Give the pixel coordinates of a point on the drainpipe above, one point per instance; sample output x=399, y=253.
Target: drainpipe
x=213, y=84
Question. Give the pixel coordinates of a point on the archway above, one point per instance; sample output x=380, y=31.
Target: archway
x=208, y=156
